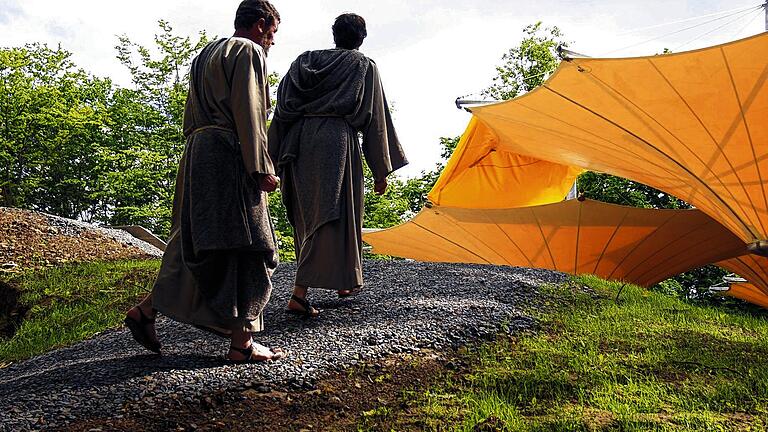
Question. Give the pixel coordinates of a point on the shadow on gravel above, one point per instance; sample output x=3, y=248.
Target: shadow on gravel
x=90, y=373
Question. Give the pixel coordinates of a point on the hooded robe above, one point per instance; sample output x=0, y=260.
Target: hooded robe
x=217, y=265
x=327, y=98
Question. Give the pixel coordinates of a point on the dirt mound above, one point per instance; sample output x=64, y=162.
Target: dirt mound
x=35, y=240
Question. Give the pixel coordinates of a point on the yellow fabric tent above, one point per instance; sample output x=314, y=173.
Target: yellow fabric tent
x=640, y=246
x=749, y=293
x=480, y=174
x=754, y=269
x=691, y=124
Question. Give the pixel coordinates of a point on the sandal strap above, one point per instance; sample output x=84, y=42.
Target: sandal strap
x=247, y=352
x=303, y=302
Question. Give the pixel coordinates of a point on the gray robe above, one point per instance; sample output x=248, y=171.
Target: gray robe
x=216, y=267
x=327, y=98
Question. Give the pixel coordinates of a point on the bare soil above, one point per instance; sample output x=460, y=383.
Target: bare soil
x=374, y=396
x=28, y=241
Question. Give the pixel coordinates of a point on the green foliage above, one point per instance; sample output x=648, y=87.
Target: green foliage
x=50, y=130
x=415, y=190
x=147, y=139
x=80, y=147
x=617, y=190
x=648, y=362
x=283, y=229
x=72, y=303
x=384, y=211
x=527, y=65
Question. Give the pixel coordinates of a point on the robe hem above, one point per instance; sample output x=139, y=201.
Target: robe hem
x=252, y=326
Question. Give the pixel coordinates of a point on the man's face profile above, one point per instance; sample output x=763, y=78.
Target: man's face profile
x=266, y=36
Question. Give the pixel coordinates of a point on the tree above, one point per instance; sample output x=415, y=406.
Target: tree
x=51, y=129
x=415, y=190
x=617, y=190
x=529, y=64
x=146, y=137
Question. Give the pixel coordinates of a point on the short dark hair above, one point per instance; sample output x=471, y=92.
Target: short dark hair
x=349, y=31
x=251, y=11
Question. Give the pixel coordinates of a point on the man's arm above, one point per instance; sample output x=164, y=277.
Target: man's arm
x=249, y=98
x=381, y=146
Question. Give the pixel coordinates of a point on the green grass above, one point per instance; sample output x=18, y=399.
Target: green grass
x=71, y=303
x=648, y=362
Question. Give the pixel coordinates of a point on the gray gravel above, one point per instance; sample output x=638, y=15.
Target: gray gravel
x=74, y=228
x=407, y=306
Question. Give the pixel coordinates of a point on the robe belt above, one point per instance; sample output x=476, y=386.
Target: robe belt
x=323, y=115
x=210, y=127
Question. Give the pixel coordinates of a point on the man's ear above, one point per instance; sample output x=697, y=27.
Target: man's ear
x=261, y=26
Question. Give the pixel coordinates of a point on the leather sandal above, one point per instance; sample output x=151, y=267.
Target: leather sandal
x=304, y=303
x=138, y=332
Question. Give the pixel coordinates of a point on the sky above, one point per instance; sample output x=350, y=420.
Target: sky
x=429, y=52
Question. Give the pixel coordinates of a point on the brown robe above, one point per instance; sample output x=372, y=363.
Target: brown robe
x=327, y=98
x=222, y=250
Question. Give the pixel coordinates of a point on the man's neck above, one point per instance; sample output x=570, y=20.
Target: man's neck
x=243, y=34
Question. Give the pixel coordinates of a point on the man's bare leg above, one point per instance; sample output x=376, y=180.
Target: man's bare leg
x=300, y=291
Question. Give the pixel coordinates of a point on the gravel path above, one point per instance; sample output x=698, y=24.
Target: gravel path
x=406, y=306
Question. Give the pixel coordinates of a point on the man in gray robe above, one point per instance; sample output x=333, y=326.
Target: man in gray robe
x=217, y=265
x=325, y=100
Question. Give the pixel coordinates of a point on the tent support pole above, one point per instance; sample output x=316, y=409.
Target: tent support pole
x=759, y=247
x=619, y=293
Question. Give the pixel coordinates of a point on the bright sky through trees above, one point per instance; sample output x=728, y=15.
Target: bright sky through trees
x=429, y=52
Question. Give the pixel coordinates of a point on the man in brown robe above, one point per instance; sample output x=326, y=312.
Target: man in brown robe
x=217, y=265
x=325, y=100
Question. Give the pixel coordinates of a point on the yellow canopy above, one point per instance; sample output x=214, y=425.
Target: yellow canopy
x=754, y=269
x=480, y=174
x=749, y=293
x=691, y=124
x=640, y=246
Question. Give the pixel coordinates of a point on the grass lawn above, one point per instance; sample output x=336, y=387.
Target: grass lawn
x=648, y=362
x=67, y=304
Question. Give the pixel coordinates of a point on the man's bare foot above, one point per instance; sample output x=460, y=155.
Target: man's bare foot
x=301, y=306
x=351, y=292
x=254, y=353
x=141, y=323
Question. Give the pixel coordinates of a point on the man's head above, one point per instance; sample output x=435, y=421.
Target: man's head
x=257, y=20
x=349, y=31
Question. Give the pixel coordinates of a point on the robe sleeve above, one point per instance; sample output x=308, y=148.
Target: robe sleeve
x=381, y=147
x=275, y=136
x=250, y=102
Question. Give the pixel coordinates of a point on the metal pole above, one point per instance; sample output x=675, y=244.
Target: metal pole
x=765, y=8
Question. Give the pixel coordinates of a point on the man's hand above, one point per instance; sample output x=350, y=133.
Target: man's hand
x=380, y=186
x=268, y=182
